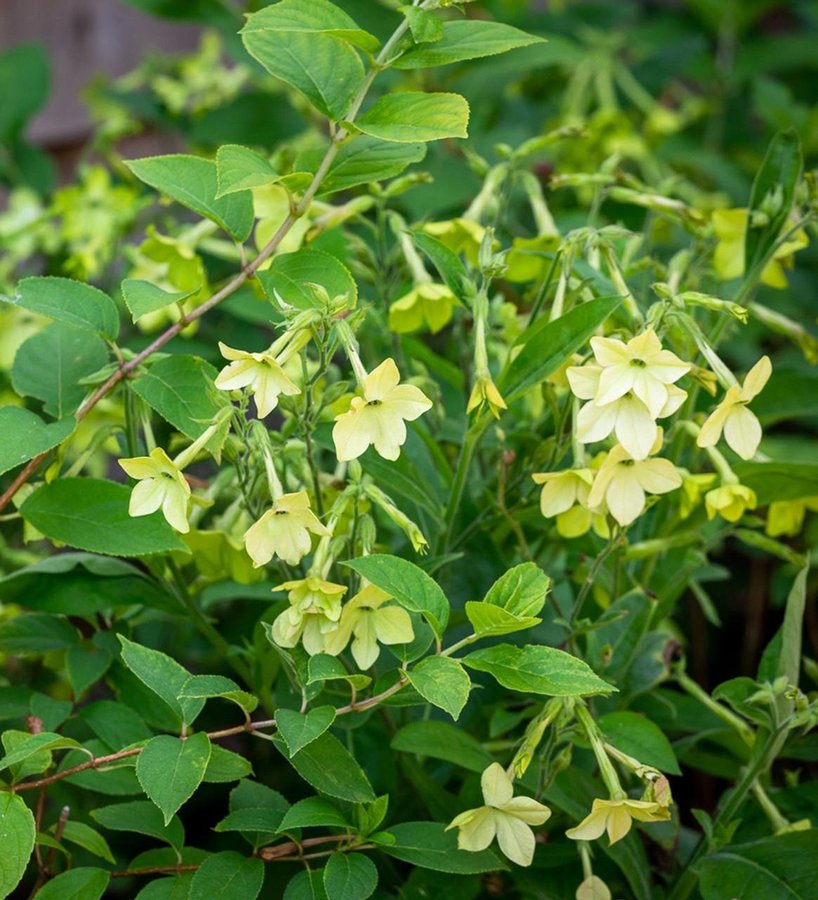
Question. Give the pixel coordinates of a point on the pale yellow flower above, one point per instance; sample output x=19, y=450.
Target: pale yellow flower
x=640, y=367
x=623, y=481
x=429, y=304
x=563, y=490
x=506, y=817
x=730, y=227
x=628, y=417
x=693, y=488
x=284, y=531
x=593, y=888
x=729, y=501
x=368, y=622
x=616, y=817
x=378, y=417
x=261, y=373
x=741, y=428
x=161, y=486
x=786, y=517
x=314, y=612
x=485, y=391
x=459, y=235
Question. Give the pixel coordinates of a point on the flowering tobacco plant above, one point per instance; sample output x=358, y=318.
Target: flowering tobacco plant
x=369, y=480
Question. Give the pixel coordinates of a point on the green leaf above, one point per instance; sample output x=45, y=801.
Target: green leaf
x=439, y=740
x=330, y=768
x=425, y=26
x=362, y=161
x=410, y=116
x=310, y=17
x=325, y=69
x=170, y=769
x=254, y=809
x=36, y=744
x=521, y=591
x=18, y=832
x=177, y=888
x=141, y=817
x=308, y=885
x=69, y=301
x=350, y=876
x=143, y=297
x=443, y=682
x=446, y=262
x=640, y=738
x=428, y=845
x=115, y=724
x=162, y=675
x=181, y=390
x=291, y=275
x=88, y=838
x=772, y=196
x=538, y=670
x=51, y=364
x=228, y=876
x=323, y=667
x=225, y=766
x=408, y=584
x=313, y=812
x=93, y=515
x=191, y=181
x=84, y=883
x=773, y=481
x=298, y=730
x=782, y=867
x=464, y=40
x=492, y=621
x=37, y=634
x=212, y=686
x=86, y=663
x=24, y=435
x=25, y=67
x=239, y=169
x=547, y=345
x=789, y=660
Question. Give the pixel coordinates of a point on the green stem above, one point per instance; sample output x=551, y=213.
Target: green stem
x=472, y=439
x=691, y=687
x=606, y=768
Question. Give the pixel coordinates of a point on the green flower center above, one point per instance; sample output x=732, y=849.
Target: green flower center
x=639, y=364
x=374, y=402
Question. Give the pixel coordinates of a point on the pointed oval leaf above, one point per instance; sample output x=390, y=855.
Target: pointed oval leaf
x=350, y=876
x=69, y=301
x=443, y=682
x=466, y=39
x=411, y=116
x=18, y=831
x=170, y=769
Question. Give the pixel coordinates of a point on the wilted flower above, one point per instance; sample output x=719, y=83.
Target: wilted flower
x=284, y=531
x=622, y=482
x=161, y=485
x=729, y=501
x=505, y=816
x=741, y=428
x=485, y=391
x=378, y=417
x=430, y=304
x=368, y=622
x=640, y=367
x=261, y=373
x=315, y=608
x=785, y=517
x=693, y=487
x=616, y=817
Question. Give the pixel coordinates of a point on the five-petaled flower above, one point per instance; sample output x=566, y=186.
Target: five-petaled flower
x=741, y=428
x=284, y=531
x=616, y=817
x=505, y=816
x=641, y=367
x=161, y=486
x=313, y=613
x=623, y=481
x=430, y=304
x=261, y=373
x=378, y=417
x=368, y=622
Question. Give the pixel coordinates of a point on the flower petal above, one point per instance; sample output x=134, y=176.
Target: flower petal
x=658, y=476
x=527, y=810
x=635, y=428
x=515, y=838
x=146, y=497
x=756, y=379
x=478, y=832
x=381, y=380
x=742, y=431
x=497, y=785
x=350, y=439
x=393, y=625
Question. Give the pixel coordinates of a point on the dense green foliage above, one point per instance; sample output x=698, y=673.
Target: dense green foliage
x=408, y=490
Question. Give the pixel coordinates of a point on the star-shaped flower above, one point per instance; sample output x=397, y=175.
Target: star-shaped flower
x=161, y=486
x=741, y=428
x=378, y=417
x=369, y=623
x=505, y=816
x=284, y=531
x=622, y=482
x=315, y=608
x=261, y=373
x=641, y=367
x=616, y=817
x=429, y=304
x=628, y=417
